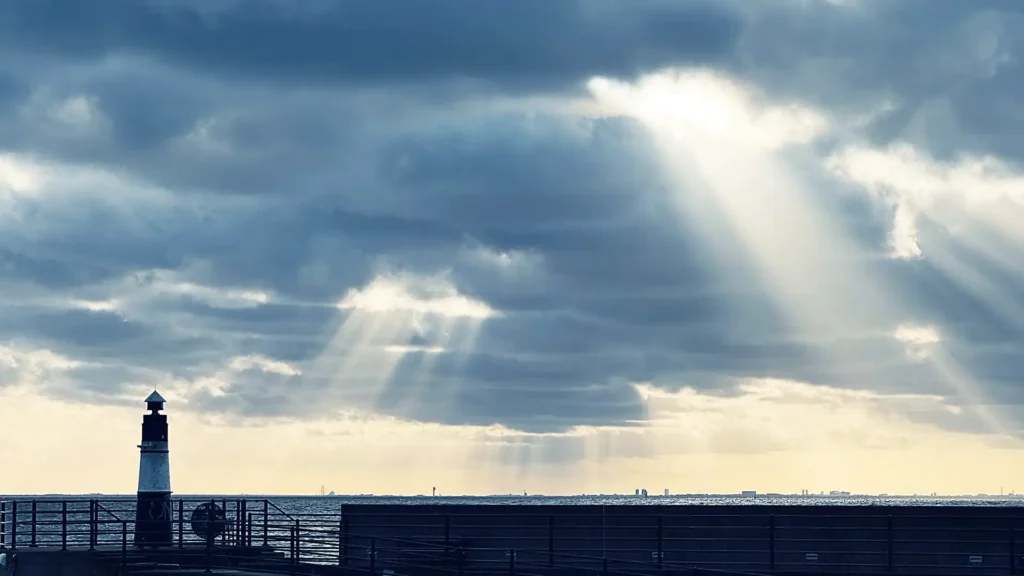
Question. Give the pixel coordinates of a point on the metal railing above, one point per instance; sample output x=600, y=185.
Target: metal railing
x=852, y=540
x=261, y=535
x=486, y=540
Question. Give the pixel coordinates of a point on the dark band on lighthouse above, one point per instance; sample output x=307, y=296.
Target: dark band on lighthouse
x=153, y=510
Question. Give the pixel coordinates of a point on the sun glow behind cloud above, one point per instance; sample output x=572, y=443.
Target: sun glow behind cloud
x=396, y=315
x=916, y=184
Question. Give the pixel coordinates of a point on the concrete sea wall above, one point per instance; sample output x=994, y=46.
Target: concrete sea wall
x=822, y=539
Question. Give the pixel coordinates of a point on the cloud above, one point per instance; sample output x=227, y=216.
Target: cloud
x=917, y=339
x=22, y=366
x=532, y=229
x=363, y=41
x=436, y=298
x=711, y=105
x=915, y=183
x=939, y=69
x=780, y=417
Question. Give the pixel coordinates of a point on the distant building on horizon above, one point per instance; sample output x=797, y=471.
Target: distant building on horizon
x=748, y=493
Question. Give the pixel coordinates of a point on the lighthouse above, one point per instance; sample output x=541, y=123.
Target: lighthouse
x=153, y=510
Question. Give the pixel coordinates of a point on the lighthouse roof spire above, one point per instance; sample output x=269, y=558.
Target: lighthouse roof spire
x=155, y=402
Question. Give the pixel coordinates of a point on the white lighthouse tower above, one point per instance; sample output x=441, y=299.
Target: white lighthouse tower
x=153, y=509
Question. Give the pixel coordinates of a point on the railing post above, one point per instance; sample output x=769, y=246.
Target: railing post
x=341, y=540
x=92, y=524
x=344, y=529
x=211, y=539
x=248, y=531
x=95, y=523
x=888, y=542
x=181, y=523
x=604, y=566
x=511, y=562
x=661, y=550
x=1013, y=546
x=14, y=525
x=3, y=523
x=210, y=536
x=373, y=556
x=32, y=544
x=771, y=543
x=124, y=545
x=224, y=534
x=241, y=523
x=63, y=525
x=298, y=535
x=551, y=541
x=266, y=521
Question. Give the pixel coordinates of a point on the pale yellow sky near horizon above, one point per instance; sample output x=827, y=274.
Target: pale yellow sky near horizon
x=775, y=437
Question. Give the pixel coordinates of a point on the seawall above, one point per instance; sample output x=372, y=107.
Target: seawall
x=825, y=539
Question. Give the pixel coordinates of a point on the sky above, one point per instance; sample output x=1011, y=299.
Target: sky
x=572, y=246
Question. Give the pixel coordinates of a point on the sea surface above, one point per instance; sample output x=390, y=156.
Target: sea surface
x=303, y=504
x=324, y=504
x=327, y=502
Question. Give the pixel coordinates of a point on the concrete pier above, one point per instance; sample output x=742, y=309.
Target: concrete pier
x=821, y=539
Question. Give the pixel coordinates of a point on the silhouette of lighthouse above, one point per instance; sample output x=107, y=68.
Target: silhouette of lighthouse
x=153, y=508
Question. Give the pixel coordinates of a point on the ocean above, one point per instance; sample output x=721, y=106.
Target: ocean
x=304, y=504
x=321, y=504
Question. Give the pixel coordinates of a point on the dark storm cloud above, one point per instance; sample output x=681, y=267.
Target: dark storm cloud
x=620, y=293
x=534, y=395
x=153, y=119
x=292, y=171
x=948, y=67
x=9, y=87
x=528, y=43
x=502, y=171
x=49, y=272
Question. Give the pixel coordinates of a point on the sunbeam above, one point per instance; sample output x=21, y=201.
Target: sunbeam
x=970, y=199
x=390, y=320
x=720, y=143
x=722, y=146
